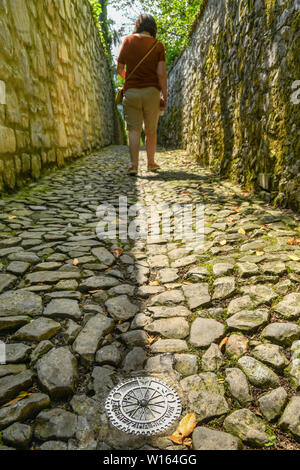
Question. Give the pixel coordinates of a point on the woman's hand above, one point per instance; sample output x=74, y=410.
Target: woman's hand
x=162, y=78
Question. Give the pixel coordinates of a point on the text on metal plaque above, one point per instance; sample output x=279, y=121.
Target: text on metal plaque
x=142, y=406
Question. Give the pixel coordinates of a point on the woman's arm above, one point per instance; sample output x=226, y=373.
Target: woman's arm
x=121, y=60
x=121, y=70
x=162, y=78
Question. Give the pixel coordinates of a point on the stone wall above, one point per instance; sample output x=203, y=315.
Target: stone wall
x=56, y=92
x=234, y=96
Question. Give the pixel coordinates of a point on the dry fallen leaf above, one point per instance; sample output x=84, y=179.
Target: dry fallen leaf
x=95, y=291
x=260, y=253
x=184, y=429
x=291, y=241
x=297, y=240
x=75, y=262
x=10, y=217
x=223, y=342
x=223, y=242
x=119, y=322
x=151, y=339
x=18, y=398
x=241, y=230
x=230, y=219
x=117, y=253
x=153, y=283
x=294, y=257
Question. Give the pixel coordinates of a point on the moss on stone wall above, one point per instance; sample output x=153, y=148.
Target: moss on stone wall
x=233, y=107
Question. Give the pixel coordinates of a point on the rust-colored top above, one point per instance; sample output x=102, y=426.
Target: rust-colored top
x=133, y=49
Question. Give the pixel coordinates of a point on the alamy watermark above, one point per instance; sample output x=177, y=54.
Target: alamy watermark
x=175, y=222
x=2, y=353
x=295, y=96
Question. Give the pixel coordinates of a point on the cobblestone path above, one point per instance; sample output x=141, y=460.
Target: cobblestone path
x=220, y=323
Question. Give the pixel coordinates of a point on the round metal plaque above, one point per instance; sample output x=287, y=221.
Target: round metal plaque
x=142, y=406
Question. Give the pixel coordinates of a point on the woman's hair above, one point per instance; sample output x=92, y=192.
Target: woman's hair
x=147, y=23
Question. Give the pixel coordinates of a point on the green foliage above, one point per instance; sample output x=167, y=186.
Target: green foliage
x=119, y=81
x=97, y=9
x=110, y=36
x=174, y=19
x=272, y=438
x=97, y=12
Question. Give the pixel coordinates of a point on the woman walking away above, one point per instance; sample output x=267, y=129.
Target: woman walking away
x=145, y=81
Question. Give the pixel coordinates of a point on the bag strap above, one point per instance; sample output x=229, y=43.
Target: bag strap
x=141, y=61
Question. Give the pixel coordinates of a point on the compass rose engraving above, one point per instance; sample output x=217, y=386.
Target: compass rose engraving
x=143, y=406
